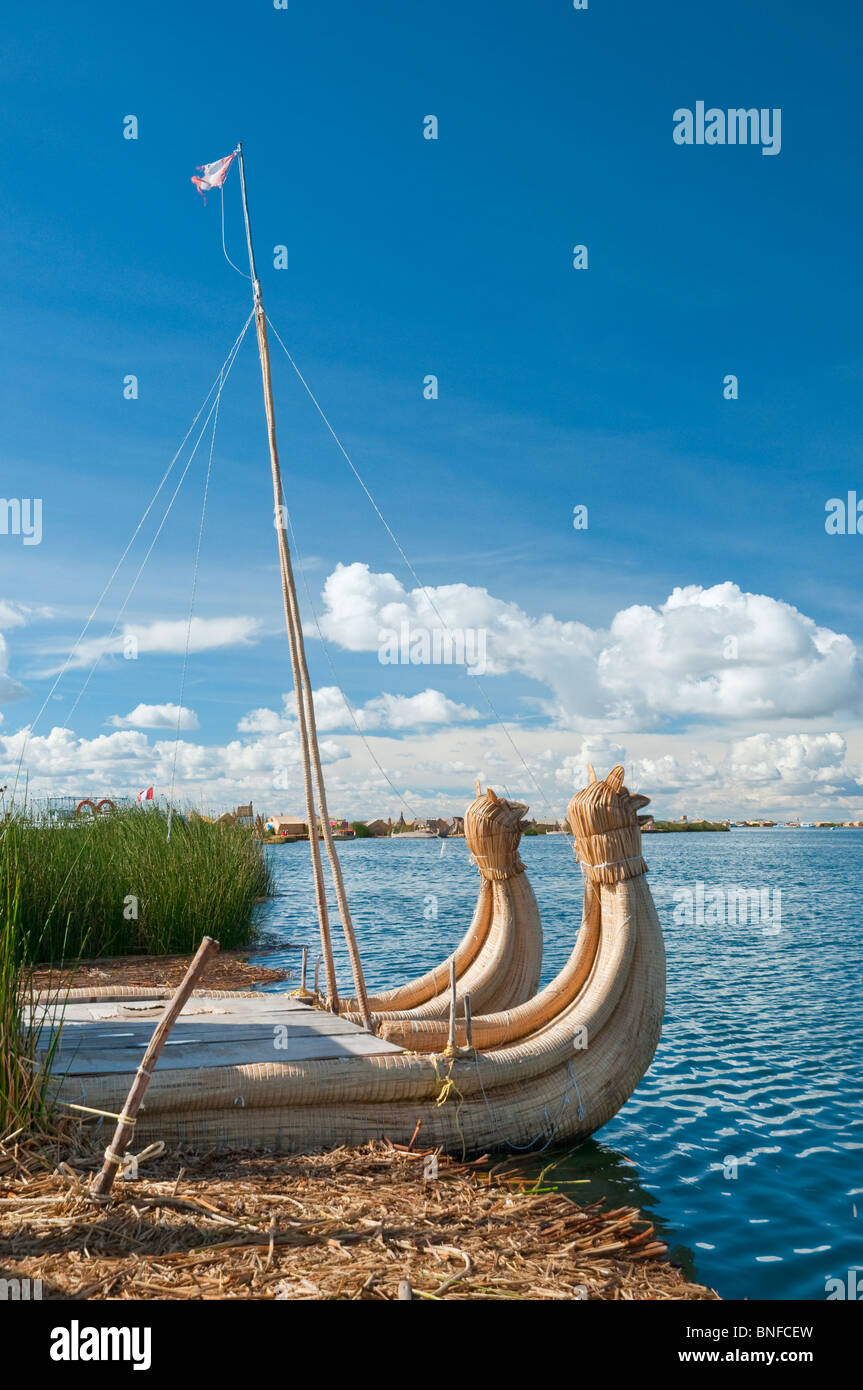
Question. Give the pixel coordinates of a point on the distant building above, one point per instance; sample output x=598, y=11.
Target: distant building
x=420, y=829
x=378, y=828
x=286, y=827
x=244, y=815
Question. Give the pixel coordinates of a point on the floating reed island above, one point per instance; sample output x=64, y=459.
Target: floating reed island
x=365, y=1224
x=473, y=1054
x=367, y=1205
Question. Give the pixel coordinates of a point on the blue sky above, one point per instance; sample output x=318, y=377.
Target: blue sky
x=557, y=387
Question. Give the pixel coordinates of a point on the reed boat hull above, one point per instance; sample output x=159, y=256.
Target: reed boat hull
x=582, y=1050
x=560, y=1085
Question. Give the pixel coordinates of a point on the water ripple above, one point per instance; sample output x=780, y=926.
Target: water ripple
x=749, y=1119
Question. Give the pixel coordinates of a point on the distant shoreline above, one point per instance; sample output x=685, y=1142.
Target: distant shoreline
x=658, y=828
x=666, y=827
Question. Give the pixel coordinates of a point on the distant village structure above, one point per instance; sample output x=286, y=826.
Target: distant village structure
x=64, y=808
x=284, y=827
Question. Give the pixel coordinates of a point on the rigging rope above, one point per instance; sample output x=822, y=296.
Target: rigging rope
x=85, y=629
x=328, y=656
x=416, y=578
x=226, y=368
x=224, y=248
x=192, y=598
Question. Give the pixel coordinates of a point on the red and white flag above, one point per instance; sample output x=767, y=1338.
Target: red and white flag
x=212, y=175
x=146, y=795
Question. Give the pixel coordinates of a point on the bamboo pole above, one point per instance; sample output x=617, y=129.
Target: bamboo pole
x=449, y=1051
x=303, y=688
x=126, y=1123
x=332, y=998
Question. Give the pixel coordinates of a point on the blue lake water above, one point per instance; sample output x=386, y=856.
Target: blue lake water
x=744, y=1141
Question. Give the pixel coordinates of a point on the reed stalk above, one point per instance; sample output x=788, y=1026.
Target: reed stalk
x=24, y=1082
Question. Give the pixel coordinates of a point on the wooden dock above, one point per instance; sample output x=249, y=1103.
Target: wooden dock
x=110, y=1036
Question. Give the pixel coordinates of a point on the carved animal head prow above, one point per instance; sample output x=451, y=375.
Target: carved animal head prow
x=618, y=805
x=605, y=822
x=492, y=828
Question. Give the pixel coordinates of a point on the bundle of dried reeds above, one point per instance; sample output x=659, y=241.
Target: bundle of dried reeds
x=604, y=822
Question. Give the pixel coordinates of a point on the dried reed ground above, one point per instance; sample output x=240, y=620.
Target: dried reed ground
x=227, y=970
x=349, y=1224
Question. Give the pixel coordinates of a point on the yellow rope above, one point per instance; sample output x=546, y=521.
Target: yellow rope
x=448, y=1089
x=108, y=1114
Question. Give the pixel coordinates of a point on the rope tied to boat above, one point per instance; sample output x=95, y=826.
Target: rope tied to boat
x=447, y=1091
x=552, y=1126
x=612, y=870
x=126, y=1164
x=129, y=1120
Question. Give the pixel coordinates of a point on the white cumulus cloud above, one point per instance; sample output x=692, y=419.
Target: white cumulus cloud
x=13, y=614
x=797, y=760
x=717, y=653
x=396, y=712
x=165, y=636
x=156, y=717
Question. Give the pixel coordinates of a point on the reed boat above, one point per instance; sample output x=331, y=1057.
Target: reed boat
x=554, y=1068
x=472, y=1051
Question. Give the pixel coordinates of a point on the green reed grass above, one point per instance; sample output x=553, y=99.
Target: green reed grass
x=24, y=1096
x=115, y=885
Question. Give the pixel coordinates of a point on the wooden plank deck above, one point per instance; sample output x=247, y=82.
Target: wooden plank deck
x=109, y=1037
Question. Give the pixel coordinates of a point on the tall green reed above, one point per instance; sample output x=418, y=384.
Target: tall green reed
x=24, y=1077
x=115, y=884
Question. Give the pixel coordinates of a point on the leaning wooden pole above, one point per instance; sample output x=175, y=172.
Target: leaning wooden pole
x=104, y=1180
x=302, y=681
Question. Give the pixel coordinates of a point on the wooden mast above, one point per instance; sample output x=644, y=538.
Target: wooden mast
x=310, y=751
